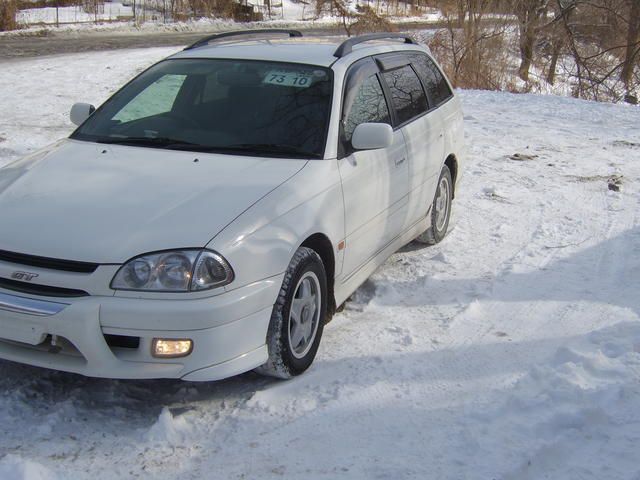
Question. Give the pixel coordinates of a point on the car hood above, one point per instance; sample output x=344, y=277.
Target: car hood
x=105, y=203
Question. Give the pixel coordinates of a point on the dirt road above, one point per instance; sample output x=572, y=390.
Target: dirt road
x=75, y=42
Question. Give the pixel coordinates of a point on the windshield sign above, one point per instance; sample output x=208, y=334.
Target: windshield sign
x=288, y=78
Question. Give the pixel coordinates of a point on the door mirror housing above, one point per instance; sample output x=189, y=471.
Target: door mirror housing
x=80, y=112
x=372, y=136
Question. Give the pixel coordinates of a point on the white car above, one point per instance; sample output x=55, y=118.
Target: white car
x=212, y=215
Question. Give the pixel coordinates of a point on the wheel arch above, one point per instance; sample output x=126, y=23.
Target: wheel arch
x=320, y=243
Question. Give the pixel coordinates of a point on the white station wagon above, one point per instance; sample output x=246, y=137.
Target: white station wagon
x=212, y=216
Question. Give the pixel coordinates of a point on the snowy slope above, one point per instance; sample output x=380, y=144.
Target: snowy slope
x=511, y=350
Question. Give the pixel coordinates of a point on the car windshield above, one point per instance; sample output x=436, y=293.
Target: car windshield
x=225, y=106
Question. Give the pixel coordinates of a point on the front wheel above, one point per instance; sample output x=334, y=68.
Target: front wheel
x=440, y=210
x=298, y=317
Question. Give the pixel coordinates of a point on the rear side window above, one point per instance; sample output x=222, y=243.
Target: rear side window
x=368, y=106
x=433, y=80
x=407, y=95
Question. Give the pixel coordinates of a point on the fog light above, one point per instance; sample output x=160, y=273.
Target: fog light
x=171, y=348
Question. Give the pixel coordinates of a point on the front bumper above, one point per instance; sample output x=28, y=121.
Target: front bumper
x=228, y=333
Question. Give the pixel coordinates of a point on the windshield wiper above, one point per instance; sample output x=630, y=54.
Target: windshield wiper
x=158, y=142
x=172, y=143
x=269, y=148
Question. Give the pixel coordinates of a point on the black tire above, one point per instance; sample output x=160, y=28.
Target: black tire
x=283, y=362
x=436, y=233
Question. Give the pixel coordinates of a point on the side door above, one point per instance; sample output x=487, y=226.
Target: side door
x=376, y=182
x=445, y=107
x=423, y=130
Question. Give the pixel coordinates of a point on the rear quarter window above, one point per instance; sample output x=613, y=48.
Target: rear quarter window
x=407, y=96
x=433, y=80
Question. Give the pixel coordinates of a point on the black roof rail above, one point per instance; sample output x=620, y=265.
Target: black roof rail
x=346, y=47
x=237, y=33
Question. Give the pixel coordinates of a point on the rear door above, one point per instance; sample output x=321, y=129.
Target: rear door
x=442, y=103
x=422, y=128
x=376, y=182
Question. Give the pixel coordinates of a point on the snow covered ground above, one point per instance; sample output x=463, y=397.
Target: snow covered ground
x=510, y=351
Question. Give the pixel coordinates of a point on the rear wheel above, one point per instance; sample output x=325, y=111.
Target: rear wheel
x=298, y=317
x=440, y=210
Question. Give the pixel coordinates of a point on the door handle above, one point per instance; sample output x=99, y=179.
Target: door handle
x=400, y=161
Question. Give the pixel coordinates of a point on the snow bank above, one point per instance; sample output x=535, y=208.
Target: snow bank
x=577, y=414
x=13, y=467
x=169, y=429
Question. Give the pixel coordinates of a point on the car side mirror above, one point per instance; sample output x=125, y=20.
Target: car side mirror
x=372, y=136
x=80, y=112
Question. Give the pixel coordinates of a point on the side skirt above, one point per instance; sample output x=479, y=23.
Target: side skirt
x=344, y=288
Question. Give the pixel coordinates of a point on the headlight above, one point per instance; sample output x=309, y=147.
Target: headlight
x=174, y=271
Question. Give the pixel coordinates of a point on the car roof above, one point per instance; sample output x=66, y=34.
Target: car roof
x=312, y=51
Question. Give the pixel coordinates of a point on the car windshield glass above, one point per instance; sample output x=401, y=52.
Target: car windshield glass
x=226, y=106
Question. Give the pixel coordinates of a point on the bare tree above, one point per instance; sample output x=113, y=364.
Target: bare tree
x=604, y=53
x=531, y=14
x=554, y=42
x=472, y=46
x=593, y=44
x=363, y=19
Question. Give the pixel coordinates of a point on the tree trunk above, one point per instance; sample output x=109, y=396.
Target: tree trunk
x=526, y=54
x=553, y=66
x=633, y=45
x=529, y=13
x=461, y=13
x=8, y=12
x=566, y=14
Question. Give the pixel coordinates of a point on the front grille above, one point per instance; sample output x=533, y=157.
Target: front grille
x=50, y=263
x=44, y=290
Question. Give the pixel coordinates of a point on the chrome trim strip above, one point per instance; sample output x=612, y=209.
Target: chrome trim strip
x=30, y=306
